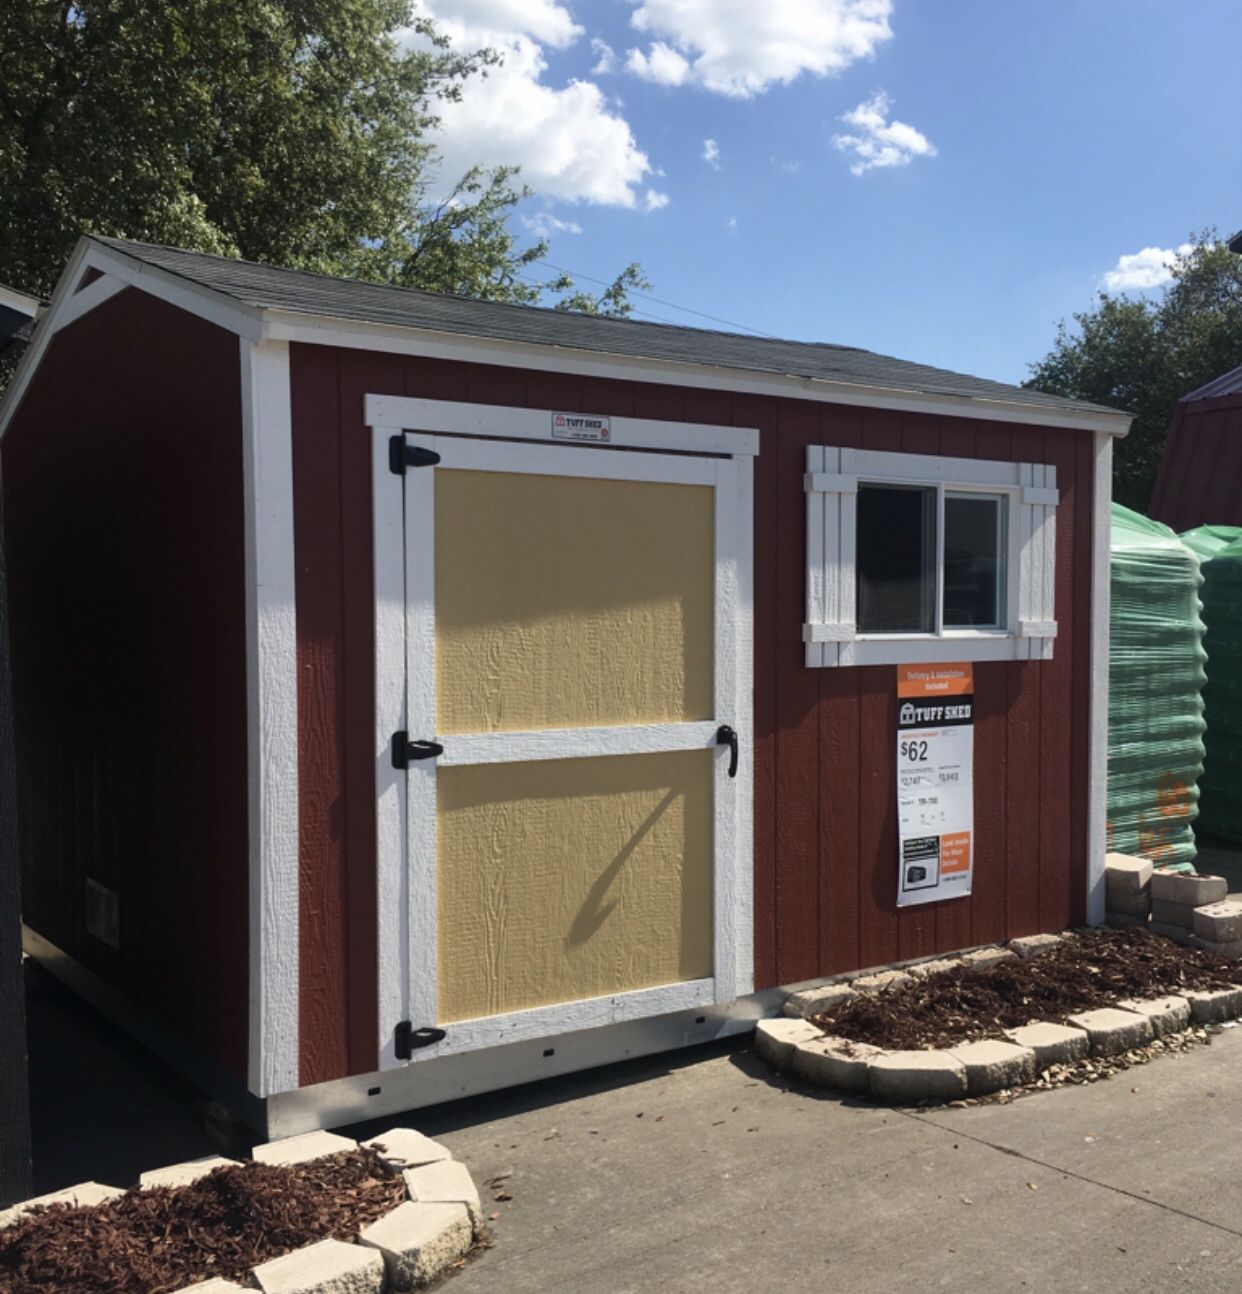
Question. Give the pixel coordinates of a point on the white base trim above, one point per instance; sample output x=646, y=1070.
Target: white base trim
x=450, y=1078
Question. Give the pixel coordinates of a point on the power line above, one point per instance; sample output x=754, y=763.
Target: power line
x=672, y=305
x=646, y=315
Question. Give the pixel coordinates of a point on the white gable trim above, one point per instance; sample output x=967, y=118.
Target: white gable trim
x=119, y=271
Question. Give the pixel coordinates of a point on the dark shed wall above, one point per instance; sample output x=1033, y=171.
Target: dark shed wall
x=122, y=477
x=1200, y=479
x=825, y=792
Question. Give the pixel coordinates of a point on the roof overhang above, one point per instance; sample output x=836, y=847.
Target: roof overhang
x=115, y=271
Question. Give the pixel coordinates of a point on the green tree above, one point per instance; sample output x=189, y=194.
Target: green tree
x=294, y=132
x=1142, y=355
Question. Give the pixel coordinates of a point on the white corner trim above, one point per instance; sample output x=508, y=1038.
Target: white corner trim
x=1097, y=769
x=458, y=418
x=271, y=716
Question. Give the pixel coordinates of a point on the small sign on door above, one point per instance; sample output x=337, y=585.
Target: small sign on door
x=581, y=426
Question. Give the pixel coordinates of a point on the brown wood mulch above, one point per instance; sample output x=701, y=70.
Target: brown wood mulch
x=1091, y=969
x=158, y=1240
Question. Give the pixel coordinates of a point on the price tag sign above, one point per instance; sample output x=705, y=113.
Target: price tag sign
x=935, y=782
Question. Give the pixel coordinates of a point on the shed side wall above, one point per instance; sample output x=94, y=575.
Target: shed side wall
x=1200, y=478
x=824, y=761
x=122, y=477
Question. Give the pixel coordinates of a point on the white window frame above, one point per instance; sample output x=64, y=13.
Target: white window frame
x=831, y=632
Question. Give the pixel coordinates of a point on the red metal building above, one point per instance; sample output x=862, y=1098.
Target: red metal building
x=230, y=523
x=1200, y=479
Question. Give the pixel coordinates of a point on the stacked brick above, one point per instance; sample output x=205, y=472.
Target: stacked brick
x=1174, y=898
x=1127, y=890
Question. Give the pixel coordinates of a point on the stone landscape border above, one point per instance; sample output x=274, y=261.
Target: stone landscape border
x=436, y=1226
x=794, y=1044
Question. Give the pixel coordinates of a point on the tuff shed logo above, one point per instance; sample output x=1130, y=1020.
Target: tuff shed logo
x=933, y=716
x=581, y=426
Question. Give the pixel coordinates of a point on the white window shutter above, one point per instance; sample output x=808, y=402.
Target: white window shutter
x=831, y=496
x=1037, y=560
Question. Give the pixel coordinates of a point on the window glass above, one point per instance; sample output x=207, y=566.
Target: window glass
x=895, y=559
x=974, y=560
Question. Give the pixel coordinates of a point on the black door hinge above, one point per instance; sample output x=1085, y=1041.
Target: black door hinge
x=407, y=1039
x=404, y=750
x=401, y=456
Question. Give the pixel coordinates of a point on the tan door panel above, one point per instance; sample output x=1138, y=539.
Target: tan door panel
x=567, y=602
x=568, y=879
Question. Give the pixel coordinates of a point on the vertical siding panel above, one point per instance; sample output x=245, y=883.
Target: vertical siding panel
x=839, y=855
x=368, y=373
x=1056, y=683
x=495, y=384
x=797, y=719
x=433, y=379
x=1025, y=761
x=958, y=439
x=321, y=700
x=879, y=932
x=1080, y=735
x=917, y=925
x=752, y=411
x=994, y=751
x=987, y=911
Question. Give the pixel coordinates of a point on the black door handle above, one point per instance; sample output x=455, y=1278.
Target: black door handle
x=404, y=750
x=725, y=736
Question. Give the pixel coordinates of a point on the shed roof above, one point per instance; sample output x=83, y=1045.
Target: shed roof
x=267, y=287
x=1227, y=384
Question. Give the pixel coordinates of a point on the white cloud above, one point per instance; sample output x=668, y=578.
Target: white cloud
x=711, y=154
x=655, y=201
x=569, y=141
x=741, y=47
x=605, y=57
x=1150, y=268
x=545, y=21
x=731, y=224
x=543, y=224
x=880, y=142
x=663, y=65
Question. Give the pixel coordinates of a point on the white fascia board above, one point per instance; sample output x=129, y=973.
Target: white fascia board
x=322, y=330
x=22, y=302
x=122, y=271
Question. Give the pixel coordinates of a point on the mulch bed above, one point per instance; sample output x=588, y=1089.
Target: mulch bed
x=158, y=1240
x=1093, y=969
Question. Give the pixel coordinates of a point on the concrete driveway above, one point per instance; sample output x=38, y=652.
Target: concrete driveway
x=703, y=1171
x=712, y=1175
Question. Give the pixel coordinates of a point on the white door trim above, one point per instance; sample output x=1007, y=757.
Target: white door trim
x=459, y=418
x=405, y=642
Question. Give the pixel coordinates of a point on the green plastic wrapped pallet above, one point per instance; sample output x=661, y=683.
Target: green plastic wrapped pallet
x=1156, y=675
x=1220, y=553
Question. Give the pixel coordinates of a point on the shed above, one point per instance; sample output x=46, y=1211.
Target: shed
x=416, y=695
x=1200, y=477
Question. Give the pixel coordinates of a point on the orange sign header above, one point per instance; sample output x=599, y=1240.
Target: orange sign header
x=935, y=680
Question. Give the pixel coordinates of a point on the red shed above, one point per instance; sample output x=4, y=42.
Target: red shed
x=1200, y=478
x=417, y=695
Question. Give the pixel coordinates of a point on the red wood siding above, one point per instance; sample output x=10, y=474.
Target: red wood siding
x=824, y=761
x=124, y=533
x=1200, y=480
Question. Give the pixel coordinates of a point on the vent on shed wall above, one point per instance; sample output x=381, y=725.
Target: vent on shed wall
x=103, y=913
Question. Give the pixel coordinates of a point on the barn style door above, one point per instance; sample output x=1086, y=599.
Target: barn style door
x=573, y=738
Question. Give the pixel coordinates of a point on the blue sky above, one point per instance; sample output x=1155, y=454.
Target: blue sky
x=1006, y=156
